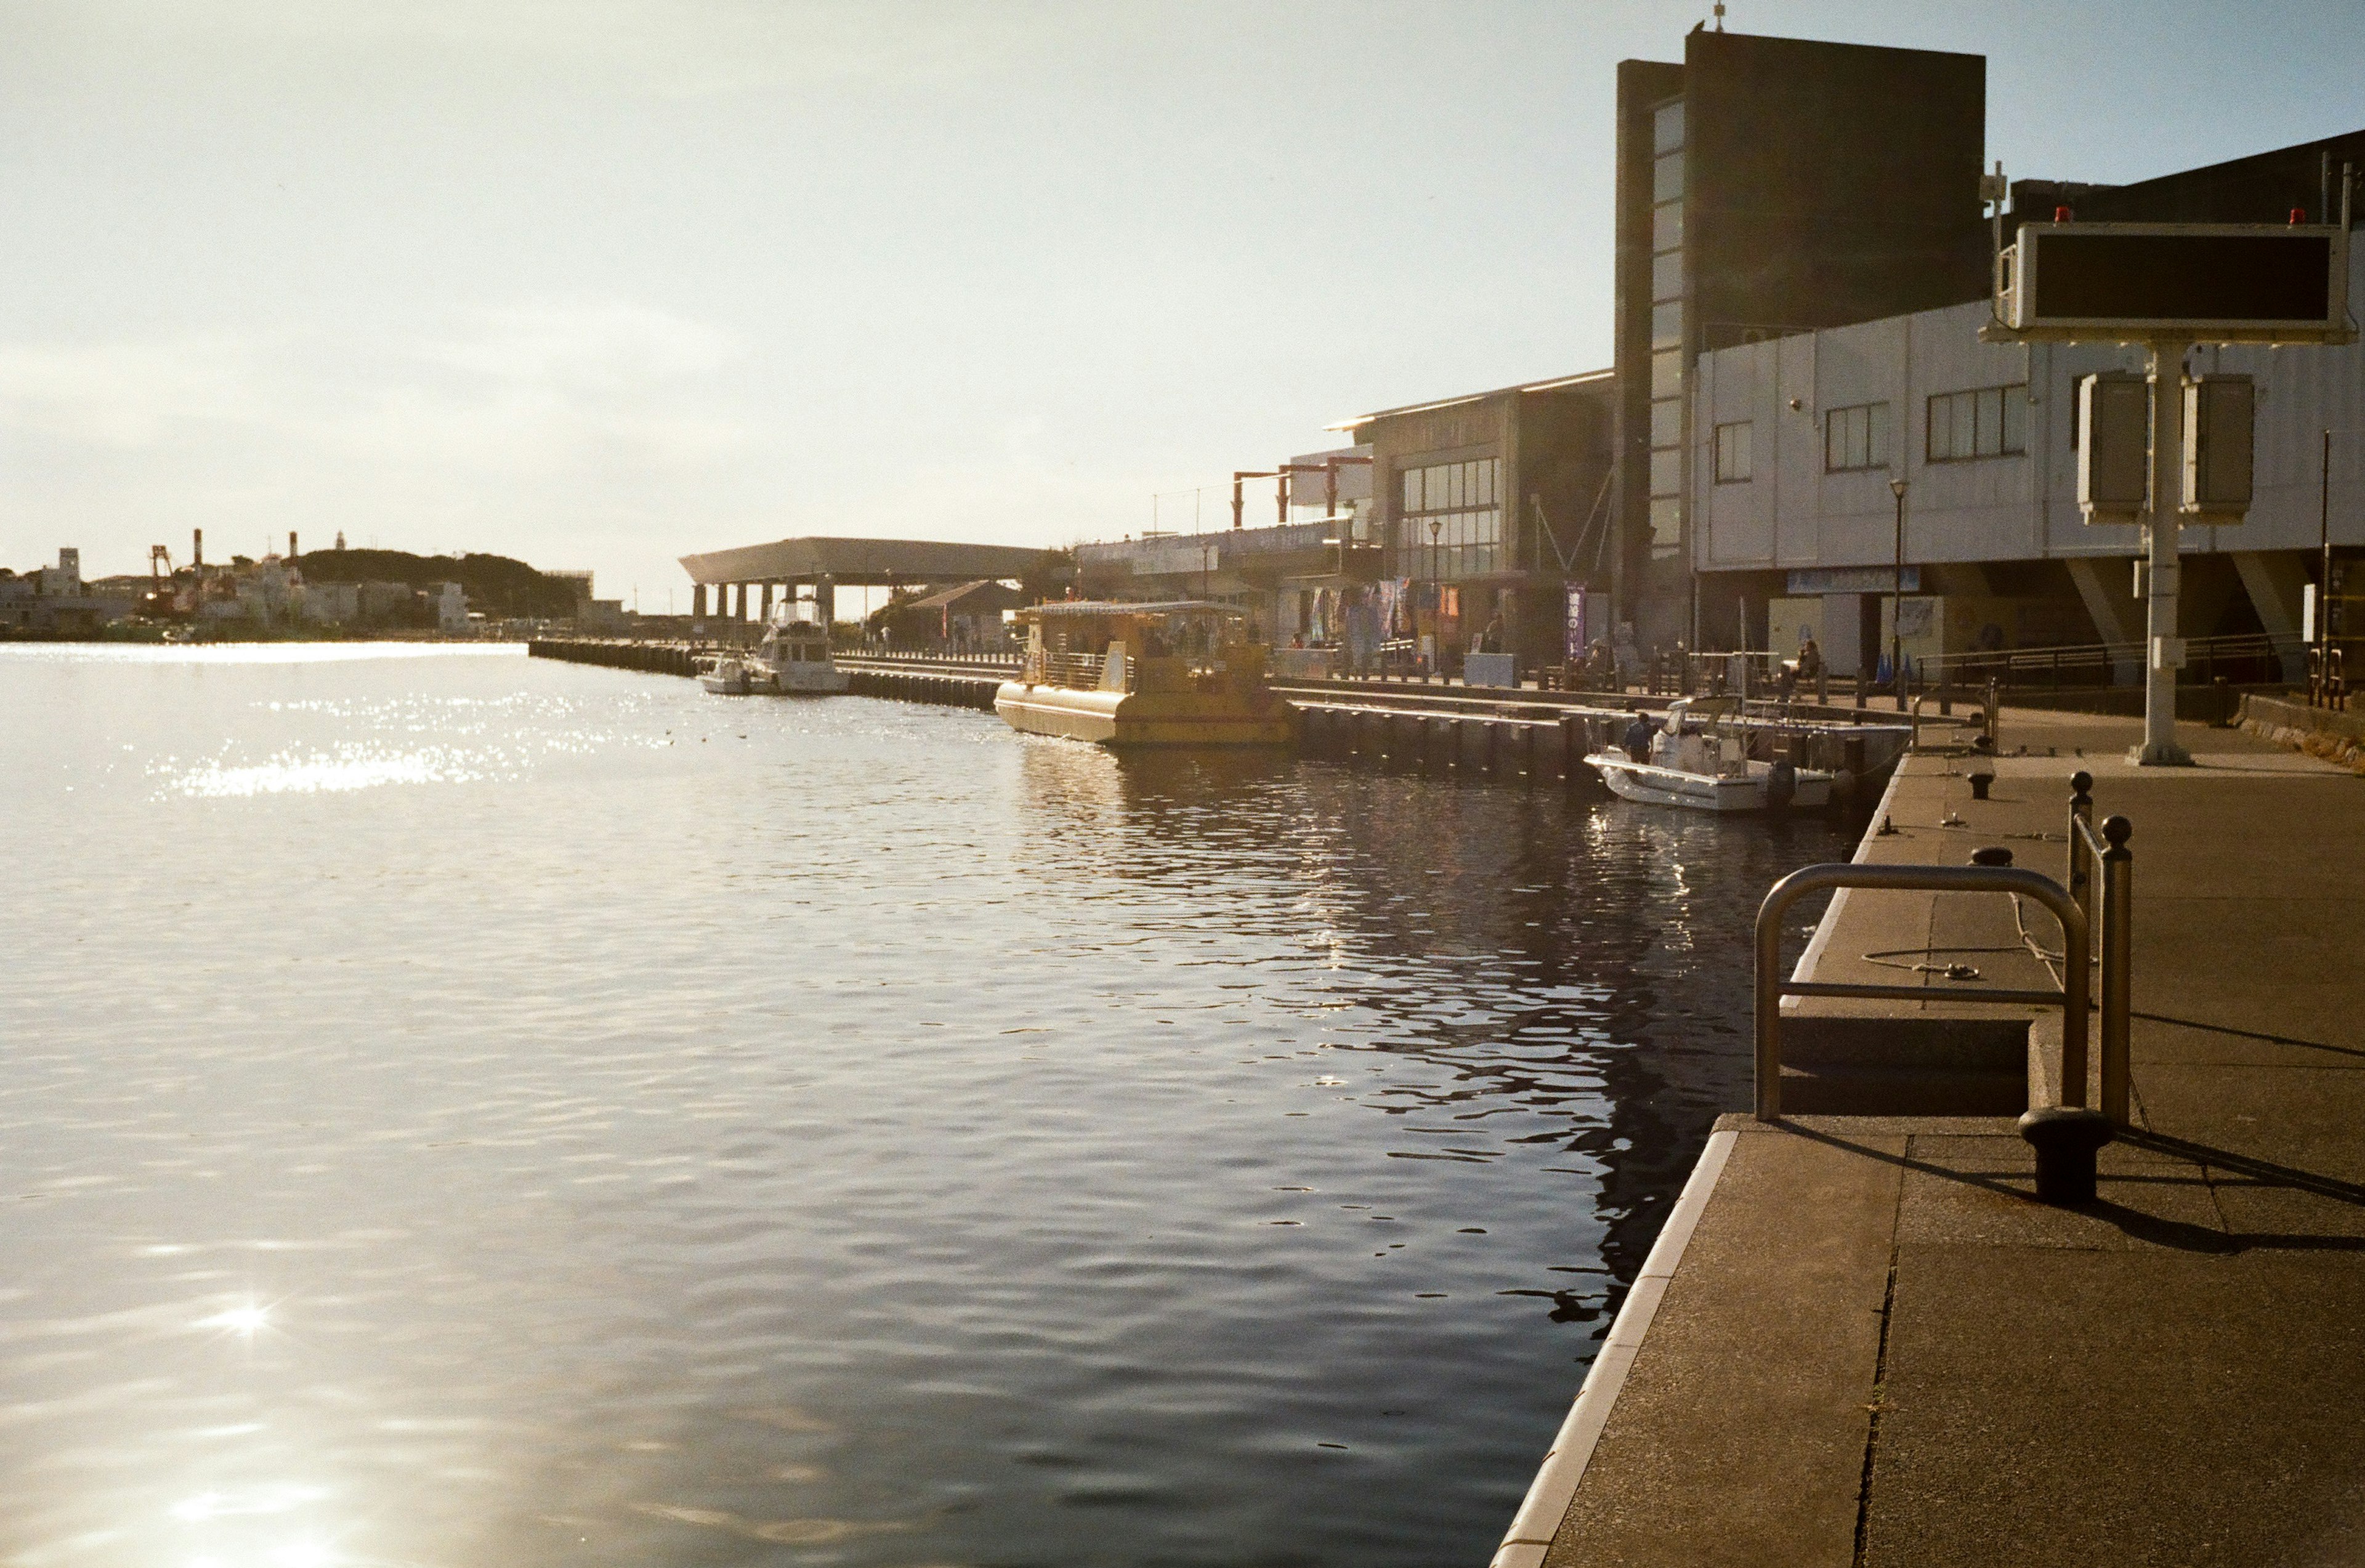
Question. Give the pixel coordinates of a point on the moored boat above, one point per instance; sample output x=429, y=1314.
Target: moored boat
x=1175, y=673
x=793, y=660
x=1686, y=760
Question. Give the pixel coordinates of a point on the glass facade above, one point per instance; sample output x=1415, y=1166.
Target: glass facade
x=1667, y=329
x=1452, y=519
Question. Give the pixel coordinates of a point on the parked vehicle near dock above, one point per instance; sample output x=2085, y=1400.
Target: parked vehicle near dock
x=1687, y=760
x=1180, y=672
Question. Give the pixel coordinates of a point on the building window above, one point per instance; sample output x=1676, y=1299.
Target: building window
x=1667, y=126
x=1667, y=329
x=1991, y=421
x=1732, y=452
x=1667, y=374
x=1667, y=177
x=1667, y=325
x=1667, y=226
x=1666, y=527
x=1463, y=501
x=1668, y=471
x=1855, y=438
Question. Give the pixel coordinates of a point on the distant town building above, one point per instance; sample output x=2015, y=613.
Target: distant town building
x=333, y=604
x=55, y=602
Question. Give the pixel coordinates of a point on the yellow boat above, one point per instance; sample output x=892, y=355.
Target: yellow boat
x=1178, y=672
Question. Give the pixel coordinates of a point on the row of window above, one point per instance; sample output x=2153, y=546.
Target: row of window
x=1453, y=529
x=1450, y=486
x=1989, y=422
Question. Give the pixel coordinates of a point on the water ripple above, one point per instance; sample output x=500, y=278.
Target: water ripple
x=468, y=1110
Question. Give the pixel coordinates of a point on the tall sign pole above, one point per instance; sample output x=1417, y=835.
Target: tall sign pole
x=2168, y=286
x=2163, y=650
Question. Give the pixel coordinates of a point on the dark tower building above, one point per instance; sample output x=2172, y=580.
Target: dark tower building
x=1767, y=185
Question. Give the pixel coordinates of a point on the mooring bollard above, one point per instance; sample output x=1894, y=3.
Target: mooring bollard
x=2066, y=1138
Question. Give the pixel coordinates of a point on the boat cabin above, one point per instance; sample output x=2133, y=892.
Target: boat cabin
x=795, y=636
x=1176, y=646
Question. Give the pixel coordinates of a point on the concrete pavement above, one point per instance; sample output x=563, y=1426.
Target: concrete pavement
x=1873, y=1346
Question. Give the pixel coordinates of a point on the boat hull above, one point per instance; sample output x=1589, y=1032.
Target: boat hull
x=799, y=680
x=1144, y=719
x=1653, y=785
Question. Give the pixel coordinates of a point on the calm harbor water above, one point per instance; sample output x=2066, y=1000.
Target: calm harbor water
x=466, y=1110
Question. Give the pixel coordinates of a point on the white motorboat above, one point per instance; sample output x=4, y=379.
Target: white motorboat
x=1686, y=761
x=793, y=660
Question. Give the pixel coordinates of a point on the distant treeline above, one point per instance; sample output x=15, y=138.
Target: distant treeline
x=495, y=584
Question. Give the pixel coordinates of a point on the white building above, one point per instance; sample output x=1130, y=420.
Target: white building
x=1797, y=439
x=451, y=605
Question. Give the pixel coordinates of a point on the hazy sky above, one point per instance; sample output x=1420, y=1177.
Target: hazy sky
x=600, y=282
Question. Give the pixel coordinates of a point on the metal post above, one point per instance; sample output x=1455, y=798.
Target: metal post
x=2118, y=962
x=1897, y=602
x=2082, y=812
x=2324, y=576
x=2164, y=656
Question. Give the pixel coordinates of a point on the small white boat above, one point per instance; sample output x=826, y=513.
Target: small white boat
x=1686, y=762
x=725, y=677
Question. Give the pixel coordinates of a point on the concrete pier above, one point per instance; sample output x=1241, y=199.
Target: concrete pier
x=1502, y=735
x=948, y=683
x=1860, y=1339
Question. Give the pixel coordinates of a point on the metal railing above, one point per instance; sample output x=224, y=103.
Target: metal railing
x=2071, y=998
x=2069, y=905
x=2327, y=676
x=1005, y=659
x=2095, y=664
x=1076, y=672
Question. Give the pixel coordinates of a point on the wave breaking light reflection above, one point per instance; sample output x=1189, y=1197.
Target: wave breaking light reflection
x=461, y=1109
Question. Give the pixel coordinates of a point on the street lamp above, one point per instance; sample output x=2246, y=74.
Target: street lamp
x=1897, y=599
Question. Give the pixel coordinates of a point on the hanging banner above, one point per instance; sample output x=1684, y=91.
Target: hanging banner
x=1578, y=640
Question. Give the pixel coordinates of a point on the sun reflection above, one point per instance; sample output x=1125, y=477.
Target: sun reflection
x=248, y=1319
